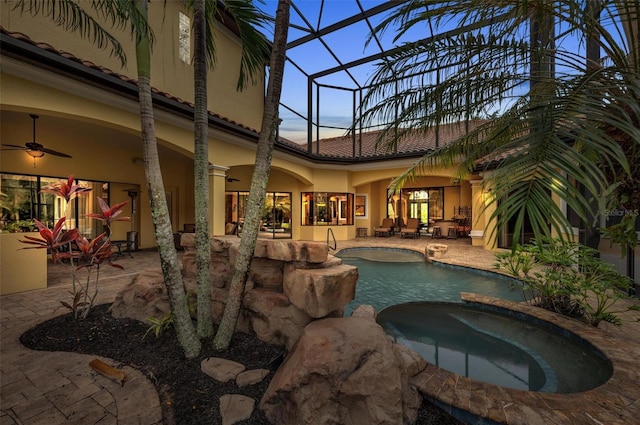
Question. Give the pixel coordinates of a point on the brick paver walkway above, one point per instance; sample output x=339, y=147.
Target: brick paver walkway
x=49, y=388
x=60, y=388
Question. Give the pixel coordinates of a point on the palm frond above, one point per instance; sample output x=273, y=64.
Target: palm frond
x=246, y=18
x=72, y=17
x=547, y=136
x=258, y=49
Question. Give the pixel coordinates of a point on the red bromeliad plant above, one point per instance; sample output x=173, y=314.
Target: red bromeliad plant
x=53, y=240
x=109, y=214
x=89, y=254
x=66, y=189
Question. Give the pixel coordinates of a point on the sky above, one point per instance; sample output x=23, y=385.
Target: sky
x=348, y=44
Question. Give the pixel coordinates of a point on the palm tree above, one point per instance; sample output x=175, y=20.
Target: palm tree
x=185, y=331
x=521, y=65
x=254, y=53
x=259, y=179
x=134, y=14
x=73, y=17
x=201, y=170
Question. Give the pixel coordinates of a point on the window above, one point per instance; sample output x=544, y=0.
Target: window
x=419, y=205
x=22, y=199
x=276, y=215
x=436, y=203
x=19, y=201
x=425, y=204
x=184, y=38
x=327, y=209
x=361, y=206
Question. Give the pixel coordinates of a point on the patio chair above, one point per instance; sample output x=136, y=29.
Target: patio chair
x=385, y=229
x=412, y=229
x=230, y=229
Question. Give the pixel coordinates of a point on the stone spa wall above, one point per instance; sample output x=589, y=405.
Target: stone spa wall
x=290, y=284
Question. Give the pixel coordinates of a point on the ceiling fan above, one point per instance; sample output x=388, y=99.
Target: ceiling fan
x=33, y=148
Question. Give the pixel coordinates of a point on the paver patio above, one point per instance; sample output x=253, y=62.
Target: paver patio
x=55, y=388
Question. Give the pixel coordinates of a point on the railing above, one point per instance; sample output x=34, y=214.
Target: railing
x=335, y=243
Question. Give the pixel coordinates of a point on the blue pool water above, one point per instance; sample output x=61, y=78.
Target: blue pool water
x=419, y=304
x=394, y=276
x=497, y=348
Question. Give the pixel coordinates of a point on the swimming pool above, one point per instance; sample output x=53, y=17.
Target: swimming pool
x=419, y=304
x=500, y=348
x=390, y=276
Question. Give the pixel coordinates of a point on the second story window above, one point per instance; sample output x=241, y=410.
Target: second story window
x=184, y=41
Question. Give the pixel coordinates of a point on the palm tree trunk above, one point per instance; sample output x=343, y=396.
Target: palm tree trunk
x=201, y=172
x=630, y=14
x=164, y=236
x=259, y=179
x=590, y=234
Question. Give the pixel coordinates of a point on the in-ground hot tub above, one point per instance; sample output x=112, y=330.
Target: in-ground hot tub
x=498, y=346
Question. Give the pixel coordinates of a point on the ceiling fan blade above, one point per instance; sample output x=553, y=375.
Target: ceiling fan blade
x=14, y=146
x=35, y=146
x=56, y=153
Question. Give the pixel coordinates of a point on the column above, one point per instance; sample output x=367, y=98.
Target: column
x=477, y=213
x=217, y=187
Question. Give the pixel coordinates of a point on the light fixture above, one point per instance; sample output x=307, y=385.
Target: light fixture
x=34, y=153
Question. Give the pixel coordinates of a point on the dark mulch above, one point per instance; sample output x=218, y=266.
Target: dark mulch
x=188, y=396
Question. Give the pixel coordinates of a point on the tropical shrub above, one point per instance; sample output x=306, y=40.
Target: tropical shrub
x=159, y=325
x=567, y=278
x=68, y=246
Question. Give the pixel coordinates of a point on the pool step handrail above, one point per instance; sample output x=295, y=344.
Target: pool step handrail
x=335, y=243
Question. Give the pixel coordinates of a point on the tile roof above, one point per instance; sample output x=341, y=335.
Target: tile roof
x=413, y=142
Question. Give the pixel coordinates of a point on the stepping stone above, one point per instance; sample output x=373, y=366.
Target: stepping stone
x=222, y=370
x=251, y=377
x=235, y=408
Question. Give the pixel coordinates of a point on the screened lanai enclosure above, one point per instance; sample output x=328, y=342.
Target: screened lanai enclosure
x=495, y=93
x=371, y=80
x=502, y=90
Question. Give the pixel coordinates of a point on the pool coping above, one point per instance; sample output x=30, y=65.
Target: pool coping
x=615, y=402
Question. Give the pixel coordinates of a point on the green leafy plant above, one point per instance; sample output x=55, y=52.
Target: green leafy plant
x=623, y=232
x=567, y=278
x=19, y=226
x=68, y=246
x=159, y=325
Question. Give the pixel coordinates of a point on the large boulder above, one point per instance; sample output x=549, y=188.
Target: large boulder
x=144, y=297
x=320, y=291
x=290, y=251
x=342, y=371
x=266, y=273
x=220, y=267
x=318, y=285
x=411, y=363
x=273, y=318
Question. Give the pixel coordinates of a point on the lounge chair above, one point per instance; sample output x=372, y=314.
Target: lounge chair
x=230, y=228
x=385, y=229
x=412, y=229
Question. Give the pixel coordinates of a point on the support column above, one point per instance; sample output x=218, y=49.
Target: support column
x=478, y=222
x=217, y=187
